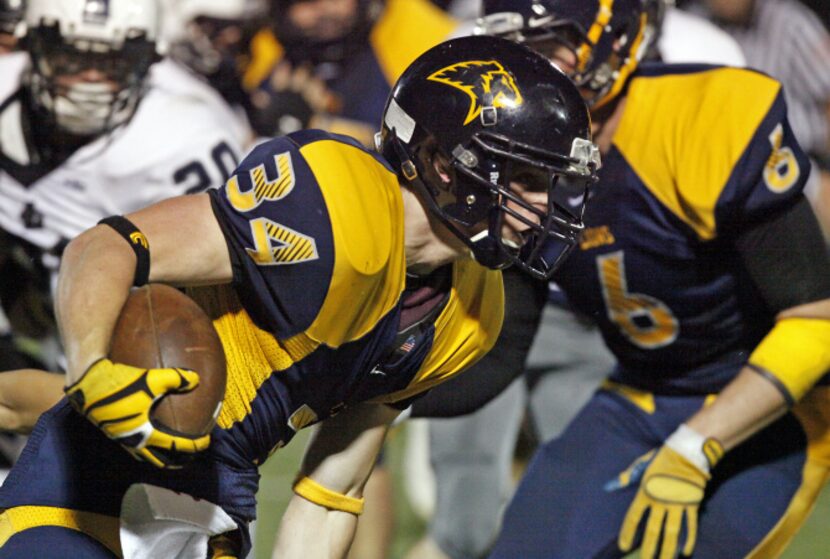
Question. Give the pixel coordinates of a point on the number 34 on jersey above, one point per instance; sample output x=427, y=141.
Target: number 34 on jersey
x=274, y=244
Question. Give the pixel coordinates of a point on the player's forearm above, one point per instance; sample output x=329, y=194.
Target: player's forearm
x=764, y=390
x=747, y=404
x=96, y=273
x=24, y=395
x=322, y=516
x=311, y=531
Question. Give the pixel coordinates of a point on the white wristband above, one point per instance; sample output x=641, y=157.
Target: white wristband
x=689, y=444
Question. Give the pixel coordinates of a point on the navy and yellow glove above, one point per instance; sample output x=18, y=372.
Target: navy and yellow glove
x=118, y=398
x=670, y=493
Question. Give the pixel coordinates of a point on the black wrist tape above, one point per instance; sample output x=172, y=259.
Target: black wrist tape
x=137, y=241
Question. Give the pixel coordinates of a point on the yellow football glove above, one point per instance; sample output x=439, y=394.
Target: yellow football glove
x=118, y=398
x=670, y=493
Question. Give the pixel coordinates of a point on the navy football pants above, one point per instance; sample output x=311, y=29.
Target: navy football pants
x=562, y=508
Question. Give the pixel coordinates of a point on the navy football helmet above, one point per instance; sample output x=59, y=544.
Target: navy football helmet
x=606, y=39
x=493, y=113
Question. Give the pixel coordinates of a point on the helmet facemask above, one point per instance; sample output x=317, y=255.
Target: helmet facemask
x=60, y=79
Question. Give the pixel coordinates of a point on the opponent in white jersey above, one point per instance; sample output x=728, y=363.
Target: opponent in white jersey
x=84, y=133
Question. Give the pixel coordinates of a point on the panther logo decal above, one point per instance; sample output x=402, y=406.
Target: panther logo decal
x=486, y=82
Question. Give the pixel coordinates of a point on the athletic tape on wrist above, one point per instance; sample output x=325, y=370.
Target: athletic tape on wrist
x=701, y=451
x=137, y=241
x=312, y=491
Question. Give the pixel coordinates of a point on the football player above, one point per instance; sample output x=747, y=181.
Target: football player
x=472, y=456
x=11, y=14
x=342, y=283
x=84, y=132
x=705, y=268
x=331, y=63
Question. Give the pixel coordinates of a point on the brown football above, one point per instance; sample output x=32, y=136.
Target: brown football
x=160, y=326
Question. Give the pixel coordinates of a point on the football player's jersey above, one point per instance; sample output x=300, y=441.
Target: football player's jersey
x=178, y=142
x=314, y=226
x=700, y=153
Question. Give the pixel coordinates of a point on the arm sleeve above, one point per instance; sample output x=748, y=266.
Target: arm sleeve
x=786, y=257
x=524, y=300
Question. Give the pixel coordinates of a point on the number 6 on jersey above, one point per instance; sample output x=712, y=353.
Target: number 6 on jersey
x=645, y=321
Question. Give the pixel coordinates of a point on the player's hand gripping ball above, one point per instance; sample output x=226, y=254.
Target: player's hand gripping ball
x=147, y=395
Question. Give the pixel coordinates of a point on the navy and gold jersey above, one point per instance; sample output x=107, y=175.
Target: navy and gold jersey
x=699, y=154
x=314, y=225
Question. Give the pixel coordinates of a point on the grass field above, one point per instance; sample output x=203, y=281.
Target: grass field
x=813, y=542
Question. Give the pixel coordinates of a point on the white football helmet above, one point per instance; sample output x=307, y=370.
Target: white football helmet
x=191, y=28
x=90, y=59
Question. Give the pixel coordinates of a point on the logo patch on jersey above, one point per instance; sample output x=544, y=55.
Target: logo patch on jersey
x=138, y=238
x=96, y=11
x=407, y=346
x=277, y=244
x=594, y=237
x=486, y=82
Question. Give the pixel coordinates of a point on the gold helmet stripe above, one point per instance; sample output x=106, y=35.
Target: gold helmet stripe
x=600, y=21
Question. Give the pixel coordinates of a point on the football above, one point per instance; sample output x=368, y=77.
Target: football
x=159, y=326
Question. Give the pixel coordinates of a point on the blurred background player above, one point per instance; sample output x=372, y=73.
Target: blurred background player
x=11, y=15
x=86, y=133
x=472, y=456
x=330, y=64
x=212, y=39
x=89, y=126
x=448, y=185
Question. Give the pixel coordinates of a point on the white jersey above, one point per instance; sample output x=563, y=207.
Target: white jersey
x=181, y=140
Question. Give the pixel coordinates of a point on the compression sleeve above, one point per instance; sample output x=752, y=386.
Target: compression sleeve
x=787, y=259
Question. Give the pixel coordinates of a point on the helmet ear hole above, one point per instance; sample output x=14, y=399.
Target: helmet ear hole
x=437, y=169
x=443, y=170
